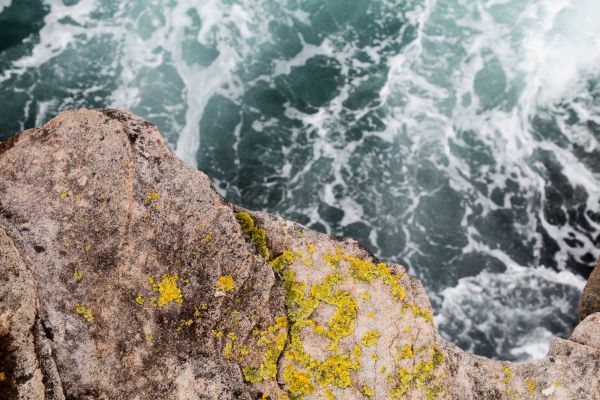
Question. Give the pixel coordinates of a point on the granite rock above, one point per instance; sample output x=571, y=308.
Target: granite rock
x=125, y=275
x=590, y=298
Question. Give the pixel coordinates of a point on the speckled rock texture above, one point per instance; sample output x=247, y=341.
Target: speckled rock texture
x=590, y=298
x=124, y=275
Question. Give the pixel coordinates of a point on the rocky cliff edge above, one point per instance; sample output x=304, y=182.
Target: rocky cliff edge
x=124, y=275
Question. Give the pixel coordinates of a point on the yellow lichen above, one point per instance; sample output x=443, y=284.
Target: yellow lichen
x=368, y=391
x=357, y=352
x=196, y=312
x=207, y=238
x=507, y=375
x=216, y=334
x=335, y=370
x=328, y=395
x=370, y=338
x=273, y=340
x=77, y=276
x=370, y=315
x=422, y=375
x=406, y=352
x=167, y=290
x=365, y=296
x=151, y=196
x=226, y=283
x=228, y=351
x=149, y=338
x=139, y=300
x=530, y=385
x=299, y=382
x=310, y=247
x=287, y=258
x=258, y=236
x=86, y=313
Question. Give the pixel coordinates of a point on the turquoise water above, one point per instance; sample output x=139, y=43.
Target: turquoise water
x=459, y=138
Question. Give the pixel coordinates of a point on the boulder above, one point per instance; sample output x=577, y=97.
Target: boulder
x=125, y=275
x=590, y=298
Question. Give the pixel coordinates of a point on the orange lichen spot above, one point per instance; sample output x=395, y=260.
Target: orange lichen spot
x=86, y=313
x=226, y=283
x=167, y=290
x=139, y=300
x=77, y=276
x=310, y=247
x=2, y=376
x=370, y=338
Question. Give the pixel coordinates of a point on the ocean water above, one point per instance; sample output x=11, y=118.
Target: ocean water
x=459, y=138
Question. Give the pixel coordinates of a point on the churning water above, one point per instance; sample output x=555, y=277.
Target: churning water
x=457, y=137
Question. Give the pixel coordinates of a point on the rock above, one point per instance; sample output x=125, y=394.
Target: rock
x=126, y=276
x=590, y=298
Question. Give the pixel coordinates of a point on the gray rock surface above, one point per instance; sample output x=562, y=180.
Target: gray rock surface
x=590, y=298
x=124, y=275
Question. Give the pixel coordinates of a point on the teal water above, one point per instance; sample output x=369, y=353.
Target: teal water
x=459, y=138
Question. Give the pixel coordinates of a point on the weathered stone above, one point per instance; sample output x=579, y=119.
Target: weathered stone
x=126, y=276
x=590, y=298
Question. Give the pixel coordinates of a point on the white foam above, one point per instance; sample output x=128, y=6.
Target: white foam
x=4, y=4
